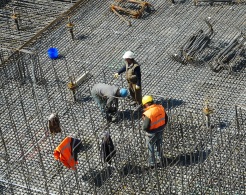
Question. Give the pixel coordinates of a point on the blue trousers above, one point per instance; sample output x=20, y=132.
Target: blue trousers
x=101, y=104
x=153, y=140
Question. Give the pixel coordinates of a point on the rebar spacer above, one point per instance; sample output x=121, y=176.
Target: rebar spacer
x=14, y=16
x=69, y=24
x=206, y=110
x=71, y=86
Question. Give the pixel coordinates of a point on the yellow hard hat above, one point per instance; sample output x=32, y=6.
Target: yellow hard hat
x=147, y=99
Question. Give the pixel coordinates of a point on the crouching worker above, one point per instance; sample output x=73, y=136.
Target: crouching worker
x=154, y=121
x=106, y=97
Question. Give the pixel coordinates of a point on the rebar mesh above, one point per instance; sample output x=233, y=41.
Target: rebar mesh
x=203, y=154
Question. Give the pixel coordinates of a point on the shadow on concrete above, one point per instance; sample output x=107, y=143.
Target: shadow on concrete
x=196, y=157
x=192, y=158
x=170, y=103
x=130, y=169
x=82, y=37
x=60, y=57
x=81, y=99
x=98, y=177
x=130, y=114
x=135, y=113
x=85, y=147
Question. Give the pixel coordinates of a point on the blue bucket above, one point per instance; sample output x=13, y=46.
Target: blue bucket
x=53, y=53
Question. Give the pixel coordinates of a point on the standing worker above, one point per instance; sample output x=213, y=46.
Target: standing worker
x=154, y=121
x=133, y=77
x=105, y=96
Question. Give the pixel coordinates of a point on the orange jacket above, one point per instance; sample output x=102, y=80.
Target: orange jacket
x=156, y=113
x=63, y=153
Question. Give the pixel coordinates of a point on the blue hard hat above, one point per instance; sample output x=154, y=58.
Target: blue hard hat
x=123, y=92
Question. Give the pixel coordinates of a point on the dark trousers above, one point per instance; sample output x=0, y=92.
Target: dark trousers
x=135, y=93
x=101, y=102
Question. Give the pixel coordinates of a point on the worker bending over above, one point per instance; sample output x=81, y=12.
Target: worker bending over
x=106, y=97
x=133, y=77
x=154, y=121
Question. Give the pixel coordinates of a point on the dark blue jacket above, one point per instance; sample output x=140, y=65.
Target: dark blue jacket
x=137, y=72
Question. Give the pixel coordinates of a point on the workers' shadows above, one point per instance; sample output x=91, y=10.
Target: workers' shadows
x=199, y=156
x=98, y=177
x=130, y=169
x=85, y=147
x=130, y=114
x=83, y=99
x=170, y=103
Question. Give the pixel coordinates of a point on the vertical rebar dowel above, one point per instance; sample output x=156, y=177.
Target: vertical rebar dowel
x=33, y=72
x=18, y=143
x=70, y=28
x=15, y=18
x=7, y=160
x=207, y=117
x=237, y=122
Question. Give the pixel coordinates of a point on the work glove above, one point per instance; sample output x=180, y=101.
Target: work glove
x=137, y=87
x=116, y=75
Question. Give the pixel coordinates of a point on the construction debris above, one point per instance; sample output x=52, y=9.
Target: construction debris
x=136, y=9
x=230, y=56
x=189, y=52
x=211, y=2
x=70, y=26
x=54, y=123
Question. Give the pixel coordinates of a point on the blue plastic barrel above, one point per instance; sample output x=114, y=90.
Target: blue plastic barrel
x=53, y=53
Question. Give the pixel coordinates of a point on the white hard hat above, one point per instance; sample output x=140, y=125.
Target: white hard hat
x=129, y=55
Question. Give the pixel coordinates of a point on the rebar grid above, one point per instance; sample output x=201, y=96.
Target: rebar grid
x=31, y=16
x=198, y=160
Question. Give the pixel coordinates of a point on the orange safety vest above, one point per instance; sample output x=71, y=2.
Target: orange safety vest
x=63, y=153
x=156, y=113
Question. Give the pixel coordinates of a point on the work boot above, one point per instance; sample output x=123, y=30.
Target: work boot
x=112, y=110
x=109, y=118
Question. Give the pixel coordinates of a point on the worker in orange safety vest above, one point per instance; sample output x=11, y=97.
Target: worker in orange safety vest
x=154, y=121
x=67, y=152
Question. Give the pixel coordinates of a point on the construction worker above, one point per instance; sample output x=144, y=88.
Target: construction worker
x=133, y=77
x=154, y=121
x=105, y=96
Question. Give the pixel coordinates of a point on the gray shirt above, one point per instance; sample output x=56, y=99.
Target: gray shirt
x=103, y=90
